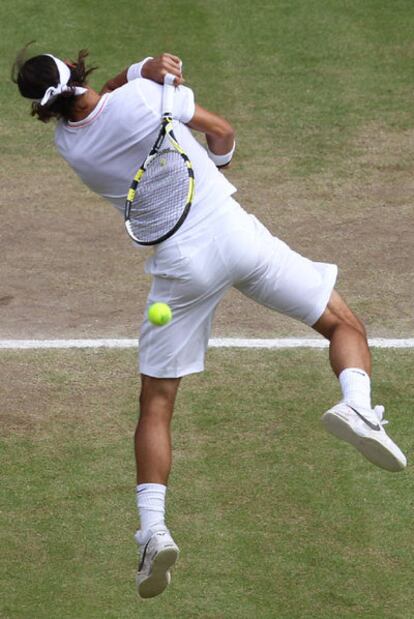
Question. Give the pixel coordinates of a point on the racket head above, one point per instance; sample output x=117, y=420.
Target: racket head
x=162, y=191
x=160, y=197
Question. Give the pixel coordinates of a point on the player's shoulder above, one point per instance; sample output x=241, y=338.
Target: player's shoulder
x=148, y=91
x=127, y=90
x=135, y=94
x=139, y=87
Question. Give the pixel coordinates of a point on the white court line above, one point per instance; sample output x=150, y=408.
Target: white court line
x=279, y=343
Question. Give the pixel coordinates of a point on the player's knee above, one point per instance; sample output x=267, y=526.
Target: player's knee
x=338, y=314
x=157, y=395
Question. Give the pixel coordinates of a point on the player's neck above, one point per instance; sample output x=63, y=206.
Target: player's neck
x=85, y=104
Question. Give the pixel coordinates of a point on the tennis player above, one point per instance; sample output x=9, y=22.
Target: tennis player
x=104, y=137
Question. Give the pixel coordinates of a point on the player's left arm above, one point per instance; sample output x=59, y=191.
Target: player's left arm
x=153, y=69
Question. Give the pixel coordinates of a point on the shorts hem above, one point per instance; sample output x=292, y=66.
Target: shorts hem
x=314, y=316
x=157, y=372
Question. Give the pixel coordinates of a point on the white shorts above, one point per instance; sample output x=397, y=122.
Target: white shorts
x=193, y=270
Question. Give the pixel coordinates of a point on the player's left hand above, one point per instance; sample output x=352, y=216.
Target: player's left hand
x=156, y=68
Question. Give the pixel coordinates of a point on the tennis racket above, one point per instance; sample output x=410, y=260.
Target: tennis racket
x=161, y=193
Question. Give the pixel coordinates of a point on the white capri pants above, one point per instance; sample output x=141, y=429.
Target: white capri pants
x=193, y=270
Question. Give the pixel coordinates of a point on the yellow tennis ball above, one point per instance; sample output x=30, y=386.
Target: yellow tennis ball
x=159, y=314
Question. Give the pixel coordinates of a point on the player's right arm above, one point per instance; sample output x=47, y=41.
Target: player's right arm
x=219, y=134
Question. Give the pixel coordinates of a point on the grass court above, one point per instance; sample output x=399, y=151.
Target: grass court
x=274, y=518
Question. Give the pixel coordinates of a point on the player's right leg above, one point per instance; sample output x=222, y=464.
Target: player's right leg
x=293, y=285
x=353, y=419
x=346, y=334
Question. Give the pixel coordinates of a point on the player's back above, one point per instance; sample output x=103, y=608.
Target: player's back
x=106, y=148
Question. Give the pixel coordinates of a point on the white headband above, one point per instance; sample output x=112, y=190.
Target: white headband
x=64, y=76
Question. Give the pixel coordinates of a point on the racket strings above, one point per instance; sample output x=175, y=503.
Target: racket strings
x=161, y=196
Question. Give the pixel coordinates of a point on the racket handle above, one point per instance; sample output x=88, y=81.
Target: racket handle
x=169, y=79
x=168, y=95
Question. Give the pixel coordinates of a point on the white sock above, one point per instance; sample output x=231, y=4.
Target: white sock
x=151, y=505
x=356, y=387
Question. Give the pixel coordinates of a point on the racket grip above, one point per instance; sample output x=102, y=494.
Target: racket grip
x=168, y=95
x=169, y=79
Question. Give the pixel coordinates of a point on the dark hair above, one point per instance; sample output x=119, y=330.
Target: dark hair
x=35, y=75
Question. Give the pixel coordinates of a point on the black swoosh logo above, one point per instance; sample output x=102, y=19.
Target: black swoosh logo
x=373, y=426
x=141, y=564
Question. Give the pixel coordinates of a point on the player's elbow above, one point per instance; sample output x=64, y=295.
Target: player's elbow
x=221, y=145
x=224, y=131
x=211, y=124
x=222, y=139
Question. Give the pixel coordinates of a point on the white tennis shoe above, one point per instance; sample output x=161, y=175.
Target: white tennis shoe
x=363, y=428
x=158, y=553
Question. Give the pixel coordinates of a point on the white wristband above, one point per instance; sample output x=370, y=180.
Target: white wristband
x=221, y=160
x=134, y=70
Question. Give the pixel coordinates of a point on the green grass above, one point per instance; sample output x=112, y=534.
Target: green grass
x=298, y=79
x=275, y=519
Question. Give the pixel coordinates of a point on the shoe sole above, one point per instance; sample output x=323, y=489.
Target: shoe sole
x=373, y=450
x=159, y=578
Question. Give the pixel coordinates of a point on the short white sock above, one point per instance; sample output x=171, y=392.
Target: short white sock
x=356, y=387
x=151, y=505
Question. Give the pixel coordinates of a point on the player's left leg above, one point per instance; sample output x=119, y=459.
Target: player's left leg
x=152, y=435
x=188, y=274
x=158, y=551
